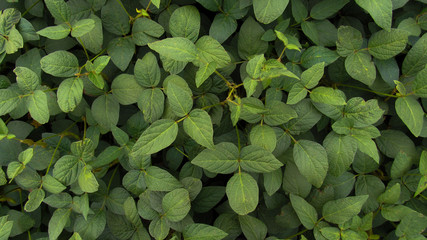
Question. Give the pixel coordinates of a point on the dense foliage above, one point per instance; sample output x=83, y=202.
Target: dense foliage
x=213, y=119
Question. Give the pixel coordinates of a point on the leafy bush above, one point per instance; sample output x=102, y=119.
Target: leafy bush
x=213, y=119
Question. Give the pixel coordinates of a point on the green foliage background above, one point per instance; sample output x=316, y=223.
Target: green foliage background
x=213, y=119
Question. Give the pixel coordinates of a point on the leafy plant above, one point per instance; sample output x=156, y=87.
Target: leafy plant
x=213, y=119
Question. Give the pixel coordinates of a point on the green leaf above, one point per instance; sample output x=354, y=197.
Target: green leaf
x=158, y=179
x=58, y=200
x=349, y=40
x=202, y=232
x=176, y=204
x=185, y=22
x=35, y=198
x=299, y=10
x=82, y=27
x=420, y=84
x=412, y=224
x=52, y=185
x=159, y=228
x=256, y=159
x=297, y=93
x=60, y=64
x=55, y=32
x=363, y=113
x=263, y=136
x=380, y=11
x=59, y=10
x=249, y=41
x=411, y=113
x=359, y=66
x=67, y=169
x=252, y=227
x=268, y=11
x=391, y=195
x=387, y=44
x=87, y=181
x=93, y=40
x=422, y=185
x=423, y=163
x=222, y=159
x=105, y=110
x=180, y=99
x=311, y=160
x=151, y=102
x=159, y=135
x=70, y=93
x=306, y=213
x=131, y=212
x=204, y=72
x=57, y=222
x=5, y=227
x=278, y=113
x=27, y=79
x=198, y=125
x=367, y=145
x=37, y=106
x=114, y=18
x=121, y=51
x=343, y=209
x=327, y=95
x=125, y=89
x=273, y=181
x=416, y=59
x=210, y=50
x=222, y=27
x=318, y=54
x=242, y=193
x=341, y=151
x=327, y=8
x=14, y=41
x=177, y=48
x=147, y=71
x=255, y=65
x=145, y=31
x=311, y=77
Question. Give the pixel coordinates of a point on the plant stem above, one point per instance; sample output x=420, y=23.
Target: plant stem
x=29, y=9
x=368, y=90
x=121, y=4
x=84, y=48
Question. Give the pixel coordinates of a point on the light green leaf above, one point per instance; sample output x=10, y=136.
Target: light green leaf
x=222, y=159
x=27, y=79
x=185, y=22
x=145, y=31
x=59, y=10
x=311, y=77
x=268, y=11
x=359, y=66
x=37, y=106
x=70, y=93
x=176, y=204
x=158, y=179
x=5, y=228
x=411, y=113
x=52, y=185
x=349, y=40
x=60, y=64
x=391, y=195
x=14, y=41
x=180, y=100
x=380, y=11
x=297, y=93
x=198, y=125
x=125, y=89
x=87, y=181
x=327, y=8
x=57, y=222
x=318, y=54
x=67, y=169
x=420, y=83
x=159, y=228
x=242, y=193
x=151, y=102
x=82, y=27
x=147, y=71
x=422, y=185
x=177, y=48
x=159, y=135
x=306, y=213
x=366, y=145
x=55, y=32
x=387, y=44
x=256, y=159
x=8, y=101
x=343, y=209
x=93, y=40
x=255, y=65
x=204, y=72
x=35, y=198
x=311, y=160
x=199, y=231
x=363, y=113
x=105, y=110
x=210, y=50
x=327, y=95
x=278, y=113
x=263, y=136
